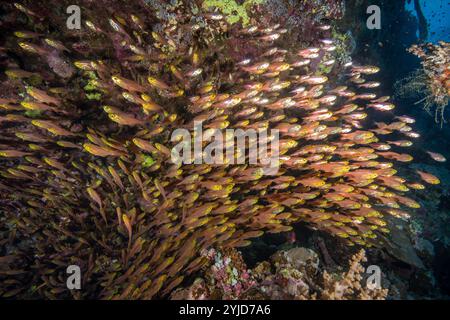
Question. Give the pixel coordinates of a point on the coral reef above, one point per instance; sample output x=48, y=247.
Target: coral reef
x=295, y=274
x=298, y=17
x=87, y=177
x=432, y=221
x=233, y=11
x=432, y=80
x=227, y=278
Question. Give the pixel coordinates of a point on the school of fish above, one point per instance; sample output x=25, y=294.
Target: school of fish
x=91, y=182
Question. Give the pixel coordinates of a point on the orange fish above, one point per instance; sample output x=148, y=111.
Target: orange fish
x=125, y=119
x=13, y=153
x=257, y=68
x=437, y=156
x=100, y=151
x=127, y=84
x=381, y=106
x=313, y=182
x=42, y=96
x=157, y=83
x=428, y=177
x=401, y=143
x=396, y=156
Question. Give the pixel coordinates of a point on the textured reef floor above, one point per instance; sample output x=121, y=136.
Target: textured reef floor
x=86, y=176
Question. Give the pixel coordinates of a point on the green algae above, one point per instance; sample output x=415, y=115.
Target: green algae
x=233, y=12
x=148, y=161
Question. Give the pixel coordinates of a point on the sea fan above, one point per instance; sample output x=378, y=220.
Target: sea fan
x=431, y=81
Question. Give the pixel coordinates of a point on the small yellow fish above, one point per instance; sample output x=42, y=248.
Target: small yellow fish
x=428, y=177
x=158, y=83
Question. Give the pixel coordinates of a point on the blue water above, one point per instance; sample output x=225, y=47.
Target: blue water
x=437, y=13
